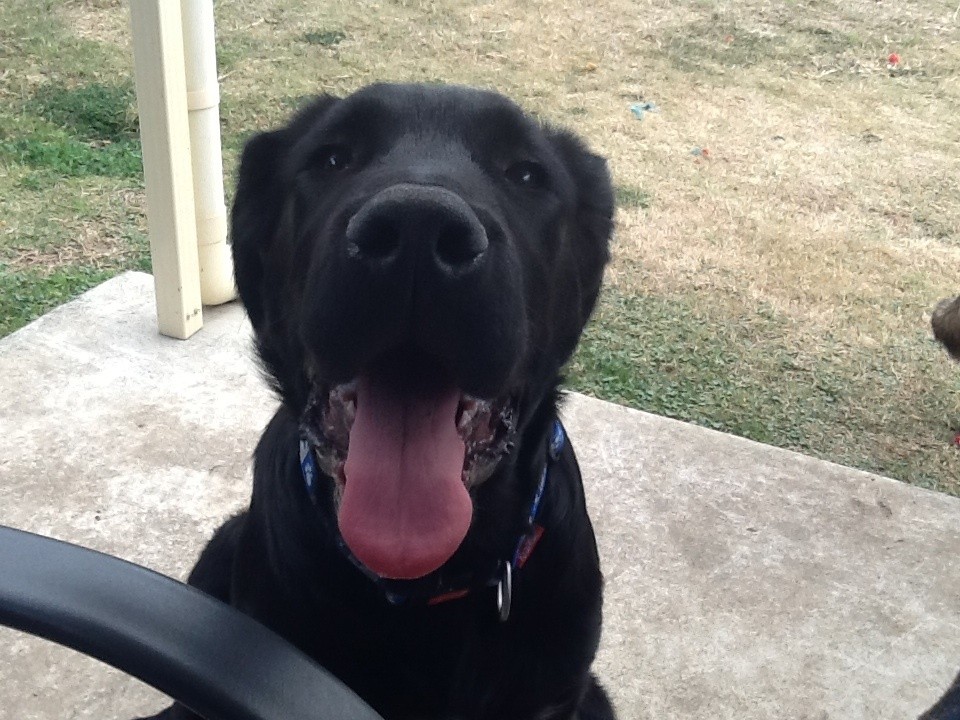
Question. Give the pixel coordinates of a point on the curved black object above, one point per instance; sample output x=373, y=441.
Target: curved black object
x=947, y=707
x=218, y=662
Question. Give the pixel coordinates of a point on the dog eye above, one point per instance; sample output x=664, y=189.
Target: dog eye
x=527, y=174
x=332, y=158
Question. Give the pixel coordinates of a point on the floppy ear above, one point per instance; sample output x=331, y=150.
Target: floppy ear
x=588, y=240
x=262, y=192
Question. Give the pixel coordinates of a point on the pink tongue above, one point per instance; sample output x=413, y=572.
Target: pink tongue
x=405, y=509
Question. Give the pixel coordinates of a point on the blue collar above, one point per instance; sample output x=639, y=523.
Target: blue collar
x=435, y=588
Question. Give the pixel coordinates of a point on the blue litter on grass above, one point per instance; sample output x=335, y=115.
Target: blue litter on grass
x=641, y=109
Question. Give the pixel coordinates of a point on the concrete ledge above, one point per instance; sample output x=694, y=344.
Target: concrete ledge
x=742, y=581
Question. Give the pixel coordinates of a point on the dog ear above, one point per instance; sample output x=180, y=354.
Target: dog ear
x=262, y=190
x=589, y=238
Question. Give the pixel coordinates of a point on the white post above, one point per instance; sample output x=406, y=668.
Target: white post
x=203, y=104
x=165, y=139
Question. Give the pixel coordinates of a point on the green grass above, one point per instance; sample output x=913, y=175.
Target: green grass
x=677, y=358
x=70, y=163
x=74, y=132
x=69, y=157
x=95, y=111
x=668, y=357
x=632, y=197
x=326, y=38
x=27, y=294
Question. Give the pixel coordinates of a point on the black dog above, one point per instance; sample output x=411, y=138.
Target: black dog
x=418, y=263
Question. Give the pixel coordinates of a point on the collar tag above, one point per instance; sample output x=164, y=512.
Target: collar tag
x=309, y=469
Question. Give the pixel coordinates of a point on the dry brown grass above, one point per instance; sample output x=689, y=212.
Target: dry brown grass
x=95, y=225
x=104, y=21
x=85, y=245
x=832, y=184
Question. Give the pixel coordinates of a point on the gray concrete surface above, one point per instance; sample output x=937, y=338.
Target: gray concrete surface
x=742, y=581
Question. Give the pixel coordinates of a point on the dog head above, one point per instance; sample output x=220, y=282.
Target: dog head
x=418, y=262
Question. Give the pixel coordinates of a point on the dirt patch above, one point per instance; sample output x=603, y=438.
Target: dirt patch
x=105, y=21
x=87, y=245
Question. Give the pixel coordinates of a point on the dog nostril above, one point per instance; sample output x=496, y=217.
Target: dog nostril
x=458, y=246
x=377, y=240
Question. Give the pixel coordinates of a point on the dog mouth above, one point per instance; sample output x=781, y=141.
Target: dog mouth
x=404, y=451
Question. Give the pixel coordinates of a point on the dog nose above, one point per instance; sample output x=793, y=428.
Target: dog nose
x=407, y=220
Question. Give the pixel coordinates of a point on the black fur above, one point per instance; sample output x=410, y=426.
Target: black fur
x=946, y=325
x=948, y=707
x=504, y=326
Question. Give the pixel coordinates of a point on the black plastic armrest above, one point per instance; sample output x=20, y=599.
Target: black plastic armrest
x=219, y=663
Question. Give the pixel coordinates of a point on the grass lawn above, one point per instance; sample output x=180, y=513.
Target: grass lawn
x=789, y=208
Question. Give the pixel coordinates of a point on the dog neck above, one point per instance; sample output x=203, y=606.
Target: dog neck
x=436, y=587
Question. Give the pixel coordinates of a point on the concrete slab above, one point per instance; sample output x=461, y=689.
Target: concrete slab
x=742, y=581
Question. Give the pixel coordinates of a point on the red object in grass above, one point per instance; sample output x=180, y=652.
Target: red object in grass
x=893, y=59
x=956, y=440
